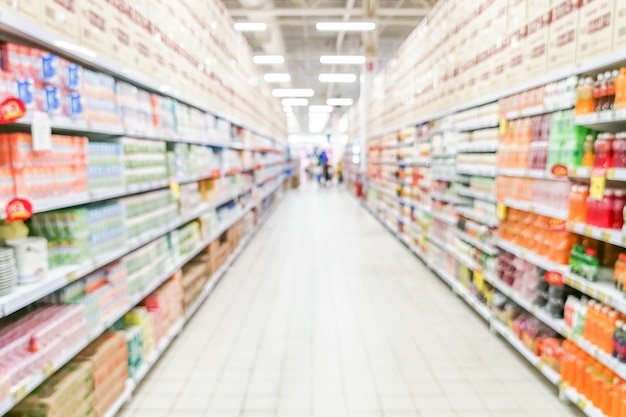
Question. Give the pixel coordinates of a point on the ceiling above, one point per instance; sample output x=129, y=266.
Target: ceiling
x=291, y=32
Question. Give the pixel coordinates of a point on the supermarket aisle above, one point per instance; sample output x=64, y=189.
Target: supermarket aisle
x=326, y=314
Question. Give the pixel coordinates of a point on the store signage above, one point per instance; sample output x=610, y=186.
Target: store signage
x=11, y=109
x=18, y=209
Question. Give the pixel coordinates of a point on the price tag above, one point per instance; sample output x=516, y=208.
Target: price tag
x=606, y=116
x=48, y=370
x=41, y=131
x=598, y=183
x=479, y=281
x=175, y=188
x=582, y=404
x=562, y=386
x=71, y=277
x=501, y=210
x=503, y=127
x=588, y=231
x=19, y=393
x=606, y=236
x=620, y=114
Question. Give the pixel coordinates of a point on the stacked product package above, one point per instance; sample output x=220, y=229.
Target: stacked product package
x=108, y=358
x=166, y=306
x=28, y=344
x=146, y=263
x=195, y=275
x=148, y=211
x=105, y=165
x=145, y=160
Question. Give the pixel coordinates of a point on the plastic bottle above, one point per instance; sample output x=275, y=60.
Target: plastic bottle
x=599, y=93
x=588, y=151
x=619, y=150
x=585, y=103
x=620, y=89
x=620, y=272
x=609, y=91
x=619, y=201
x=602, y=150
x=592, y=211
x=605, y=210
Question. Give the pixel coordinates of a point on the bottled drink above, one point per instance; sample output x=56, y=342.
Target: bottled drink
x=605, y=210
x=619, y=202
x=588, y=153
x=620, y=89
x=585, y=103
x=609, y=91
x=619, y=150
x=602, y=150
x=599, y=92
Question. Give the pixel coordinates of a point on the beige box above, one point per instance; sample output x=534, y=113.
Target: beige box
x=137, y=19
x=516, y=16
x=29, y=9
x=562, y=35
x=62, y=17
x=119, y=32
x=96, y=18
x=619, y=25
x=536, y=46
x=594, y=29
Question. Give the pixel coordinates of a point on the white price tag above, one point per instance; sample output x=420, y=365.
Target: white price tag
x=606, y=116
x=620, y=114
x=41, y=131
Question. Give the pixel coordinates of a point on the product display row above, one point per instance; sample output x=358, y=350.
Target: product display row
x=515, y=198
x=104, y=374
x=189, y=260
x=169, y=47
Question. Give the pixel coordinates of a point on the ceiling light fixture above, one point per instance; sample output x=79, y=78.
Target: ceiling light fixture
x=293, y=92
x=339, y=101
x=268, y=59
x=337, y=78
x=320, y=108
x=342, y=59
x=345, y=26
x=277, y=78
x=250, y=26
x=295, y=102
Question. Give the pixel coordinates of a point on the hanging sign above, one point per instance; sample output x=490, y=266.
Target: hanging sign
x=559, y=170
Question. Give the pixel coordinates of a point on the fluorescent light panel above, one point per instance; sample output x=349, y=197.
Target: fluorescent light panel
x=295, y=102
x=345, y=26
x=277, y=78
x=337, y=78
x=268, y=59
x=250, y=26
x=339, y=101
x=320, y=108
x=342, y=59
x=293, y=92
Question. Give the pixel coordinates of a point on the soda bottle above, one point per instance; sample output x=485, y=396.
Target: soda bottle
x=609, y=91
x=599, y=93
x=620, y=89
x=603, y=150
x=619, y=150
x=617, y=218
x=588, y=154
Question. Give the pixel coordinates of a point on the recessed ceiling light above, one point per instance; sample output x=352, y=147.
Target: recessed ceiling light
x=268, y=59
x=295, y=102
x=293, y=92
x=337, y=78
x=339, y=101
x=277, y=78
x=320, y=108
x=342, y=59
x=250, y=26
x=345, y=26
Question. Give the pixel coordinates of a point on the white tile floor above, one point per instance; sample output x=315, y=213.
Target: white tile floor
x=326, y=314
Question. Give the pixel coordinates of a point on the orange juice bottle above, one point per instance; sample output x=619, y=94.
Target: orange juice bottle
x=620, y=272
x=620, y=89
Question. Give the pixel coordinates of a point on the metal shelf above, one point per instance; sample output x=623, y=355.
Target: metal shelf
x=532, y=257
x=536, y=208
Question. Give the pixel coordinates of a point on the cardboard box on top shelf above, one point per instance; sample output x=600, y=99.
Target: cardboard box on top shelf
x=141, y=40
x=120, y=47
x=538, y=15
x=595, y=33
x=62, y=17
x=29, y=9
x=562, y=35
x=96, y=28
x=619, y=25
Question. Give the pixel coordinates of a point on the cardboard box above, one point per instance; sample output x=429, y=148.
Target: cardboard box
x=63, y=17
x=595, y=33
x=619, y=25
x=95, y=27
x=29, y=9
x=563, y=35
x=536, y=45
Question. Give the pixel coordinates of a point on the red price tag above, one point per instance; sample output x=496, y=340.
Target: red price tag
x=18, y=209
x=11, y=109
x=554, y=278
x=559, y=170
